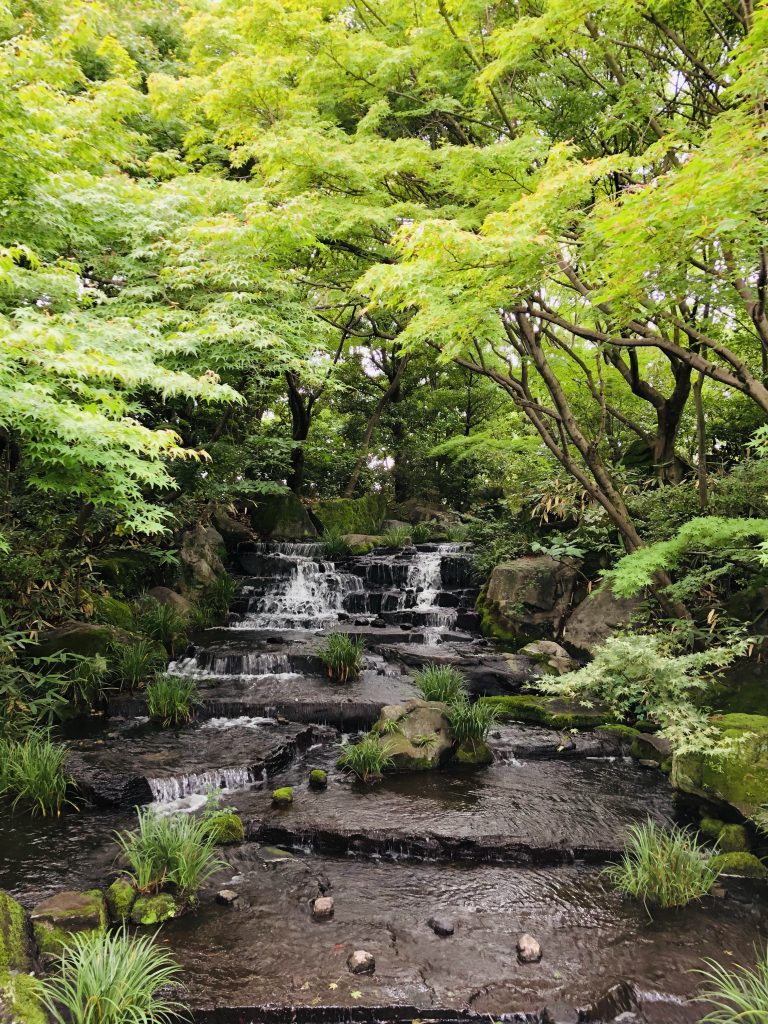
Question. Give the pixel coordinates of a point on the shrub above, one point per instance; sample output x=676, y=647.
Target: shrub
x=161, y=622
x=662, y=867
x=399, y=537
x=735, y=993
x=440, y=682
x=335, y=546
x=87, y=680
x=172, y=700
x=177, y=850
x=367, y=759
x=33, y=773
x=471, y=723
x=343, y=656
x=112, y=978
x=132, y=664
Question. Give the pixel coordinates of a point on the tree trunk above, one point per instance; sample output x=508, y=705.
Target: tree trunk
x=379, y=408
x=301, y=418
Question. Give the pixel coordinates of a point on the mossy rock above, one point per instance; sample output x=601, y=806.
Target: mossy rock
x=746, y=865
x=352, y=515
x=20, y=999
x=16, y=946
x=423, y=739
x=741, y=779
x=282, y=797
x=624, y=733
x=549, y=711
x=87, y=638
x=318, y=779
x=710, y=828
x=361, y=543
x=733, y=839
x=58, y=918
x=113, y=612
x=226, y=828
x=149, y=910
x=473, y=754
x=121, y=896
x=282, y=517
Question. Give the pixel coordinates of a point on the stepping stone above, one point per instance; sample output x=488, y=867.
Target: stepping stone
x=322, y=908
x=528, y=949
x=361, y=962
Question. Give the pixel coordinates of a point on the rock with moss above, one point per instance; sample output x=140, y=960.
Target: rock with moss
x=598, y=617
x=283, y=517
x=282, y=797
x=746, y=865
x=88, y=638
x=551, y=658
x=729, y=838
x=352, y=515
x=527, y=599
x=59, y=917
x=422, y=739
x=553, y=712
x=20, y=1001
x=120, y=896
x=225, y=827
x=318, y=779
x=473, y=754
x=361, y=543
x=149, y=910
x=201, y=554
x=16, y=943
x=739, y=779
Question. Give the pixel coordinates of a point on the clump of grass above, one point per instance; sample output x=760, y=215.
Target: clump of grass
x=132, y=664
x=421, y=533
x=399, y=537
x=87, y=680
x=735, y=993
x=161, y=622
x=343, y=656
x=33, y=773
x=471, y=723
x=172, y=700
x=662, y=867
x=458, y=534
x=441, y=682
x=217, y=598
x=388, y=727
x=112, y=978
x=367, y=759
x=335, y=546
x=177, y=851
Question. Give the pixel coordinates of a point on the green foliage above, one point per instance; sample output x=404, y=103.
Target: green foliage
x=440, y=682
x=471, y=723
x=172, y=700
x=177, y=850
x=33, y=773
x=343, y=656
x=136, y=662
x=735, y=993
x=160, y=622
x=368, y=759
x=662, y=867
x=113, y=978
x=399, y=537
x=421, y=533
x=640, y=676
x=335, y=546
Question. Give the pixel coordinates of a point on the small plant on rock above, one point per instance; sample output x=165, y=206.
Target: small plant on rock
x=33, y=773
x=735, y=993
x=343, y=656
x=132, y=664
x=399, y=537
x=172, y=700
x=389, y=727
x=662, y=867
x=441, y=682
x=368, y=759
x=421, y=533
x=335, y=546
x=471, y=723
x=161, y=622
x=425, y=741
x=112, y=978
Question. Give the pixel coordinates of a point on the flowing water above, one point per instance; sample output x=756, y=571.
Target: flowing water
x=517, y=847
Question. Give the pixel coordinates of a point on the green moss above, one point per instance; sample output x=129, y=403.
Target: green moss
x=352, y=515
x=15, y=952
x=318, y=779
x=473, y=754
x=744, y=864
x=710, y=828
x=149, y=910
x=733, y=839
x=490, y=625
x=57, y=919
x=50, y=938
x=548, y=711
x=120, y=898
x=283, y=796
x=19, y=997
x=644, y=751
x=113, y=612
x=226, y=828
x=625, y=733
x=666, y=766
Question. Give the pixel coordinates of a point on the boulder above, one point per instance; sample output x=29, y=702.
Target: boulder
x=88, y=638
x=473, y=754
x=16, y=943
x=282, y=517
x=361, y=962
x=419, y=738
x=553, y=712
x=322, y=908
x=394, y=524
x=318, y=779
x=550, y=657
x=441, y=926
x=149, y=910
x=232, y=530
x=597, y=617
x=164, y=595
x=121, y=896
x=741, y=778
x=20, y=1000
x=361, y=543
x=351, y=515
x=282, y=797
x=225, y=827
x=745, y=865
x=60, y=916
x=528, y=949
x=202, y=549
x=527, y=599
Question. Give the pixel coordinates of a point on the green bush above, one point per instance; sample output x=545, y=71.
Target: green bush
x=735, y=993
x=216, y=599
x=399, y=537
x=162, y=623
x=471, y=723
x=662, y=867
x=112, y=978
x=177, y=850
x=335, y=546
x=131, y=664
x=172, y=700
x=440, y=682
x=367, y=759
x=33, y=773
x=343, y=656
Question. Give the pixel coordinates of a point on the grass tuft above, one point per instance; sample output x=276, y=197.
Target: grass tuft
x=441, y=682
x=343, y=656
x=471, y=723
x=367, y=759
x=33, y=773
x=132, y=664
x=735, y=993
x=172, y=700
x=400, y=537
x=161, y=622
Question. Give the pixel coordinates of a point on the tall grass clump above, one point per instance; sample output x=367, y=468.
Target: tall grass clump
x=33, y=773
x=172, y=700
x=132, y=664
x=176, y=851
x=161, y=622
x=421, y=533
x=662, y=867
x=335, y=546
x=399, y=537
x=735, y=993
x=441, y=682
x=112, y=978
x=471, y=723
x=367, y=759
x=343, y=656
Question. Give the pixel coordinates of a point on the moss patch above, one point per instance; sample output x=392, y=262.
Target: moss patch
x=149, y=910
x=473, y=754
x=226, y=828
x=548, y=711
x=744, y=864
x=15, y=936
x=120, y=898
x=55, y=920
x=318, y=779
x=283, y=797
x=625, y=733
x=352, y=515
x=19, y=999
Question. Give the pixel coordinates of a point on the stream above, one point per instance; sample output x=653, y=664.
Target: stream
x=513, y=848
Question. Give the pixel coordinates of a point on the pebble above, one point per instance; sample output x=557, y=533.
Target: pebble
x=322, y=908
x=645, y=762
x=528, y=949
x=361, y=962
x=227, y=897
x=441, y=926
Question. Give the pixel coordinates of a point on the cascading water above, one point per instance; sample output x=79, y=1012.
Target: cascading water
x=169, y=788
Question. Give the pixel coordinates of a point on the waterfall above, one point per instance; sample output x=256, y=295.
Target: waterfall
x=174, y=787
